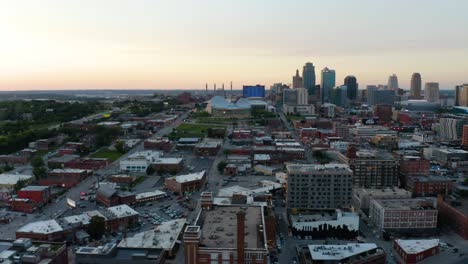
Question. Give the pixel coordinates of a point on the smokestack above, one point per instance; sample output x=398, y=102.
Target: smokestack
x=241, y=237
x=223, y=86
x=231, y=86
x=215, y=87
x=206, y=87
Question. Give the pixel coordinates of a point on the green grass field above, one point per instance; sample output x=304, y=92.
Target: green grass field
x=106, y=153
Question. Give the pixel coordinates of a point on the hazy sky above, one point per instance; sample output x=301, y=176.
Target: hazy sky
x=67, y=44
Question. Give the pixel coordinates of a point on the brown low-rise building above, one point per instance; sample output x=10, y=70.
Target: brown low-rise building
x=172, y=165
x=108, y=196
x=66, y=178
x=227, y=234
x=88, y=163
x=454, y=213
x=207, y=148
x=429, y=186
x=163, y=144
x=186, y=183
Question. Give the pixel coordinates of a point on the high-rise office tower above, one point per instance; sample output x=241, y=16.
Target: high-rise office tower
x=461, y=95
x=297, y=80
x=290, y=97
x=393, y=83
x=431, y=92
x=328, y=82
x=302, y=96
x=352, y=87
x=415, y=90
x=308, y=77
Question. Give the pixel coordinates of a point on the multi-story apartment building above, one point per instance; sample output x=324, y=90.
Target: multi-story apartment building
x=372, y=169
x=444, y=156
x=451, y=128
x=227, y=234
x=362, y=196
x=314, y=187
x=404, y=214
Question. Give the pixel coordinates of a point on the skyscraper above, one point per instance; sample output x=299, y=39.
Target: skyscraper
x=431, y=92
x=461, y=95
x=415, y=90
x=308, y=77
x=297, y=81
x=340, y=95
x=352, y=87
x=393, y=83
x=328, y=82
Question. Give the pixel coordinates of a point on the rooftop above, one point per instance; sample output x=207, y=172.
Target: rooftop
x=149, y=194
x=417, y=246
x=380, y=192
x=305, y=168
x=162, y=236
x=427, y=203
x=67, y=171
x=189, y=177
x=41, y=227
x=339, y=252
x=12, y=179
x=219, y=227
x=452, y=151
x=122, y=210
x=35, y=188
x=168, y=161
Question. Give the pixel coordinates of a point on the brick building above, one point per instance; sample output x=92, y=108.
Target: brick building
x=88, y=163
x=117, y=219
x=38, y=194
x=66, y=178
x=207, y=148
x=242, y=239
x=404, y=215
x=186, y=183
x=108, y=196
x=22, y=205
x=413, y=251
x=454, y=213
x=465, y=136
x=429, y=186
x=383, y=113
x=163, y=144
x=414, y=165
x=173, y=165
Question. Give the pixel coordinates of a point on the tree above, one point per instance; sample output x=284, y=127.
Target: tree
x=39, y=172
x=150, y=170
x=37, y=161
x=97, y=227
x=221, y=166
x=120, y=146
x=20, y=185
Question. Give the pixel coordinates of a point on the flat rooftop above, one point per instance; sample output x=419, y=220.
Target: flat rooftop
x=304, y=168
x=339, y=252
x=427, y=203
x=189, y=177
x=12, y=179
x=219, y=227
x=41, y=227
x=35, y=188
x=163, y=236
x=412, y=246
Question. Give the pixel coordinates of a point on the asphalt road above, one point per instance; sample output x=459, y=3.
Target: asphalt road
x=58, y=207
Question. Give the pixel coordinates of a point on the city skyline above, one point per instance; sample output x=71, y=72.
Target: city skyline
x=151, y=45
